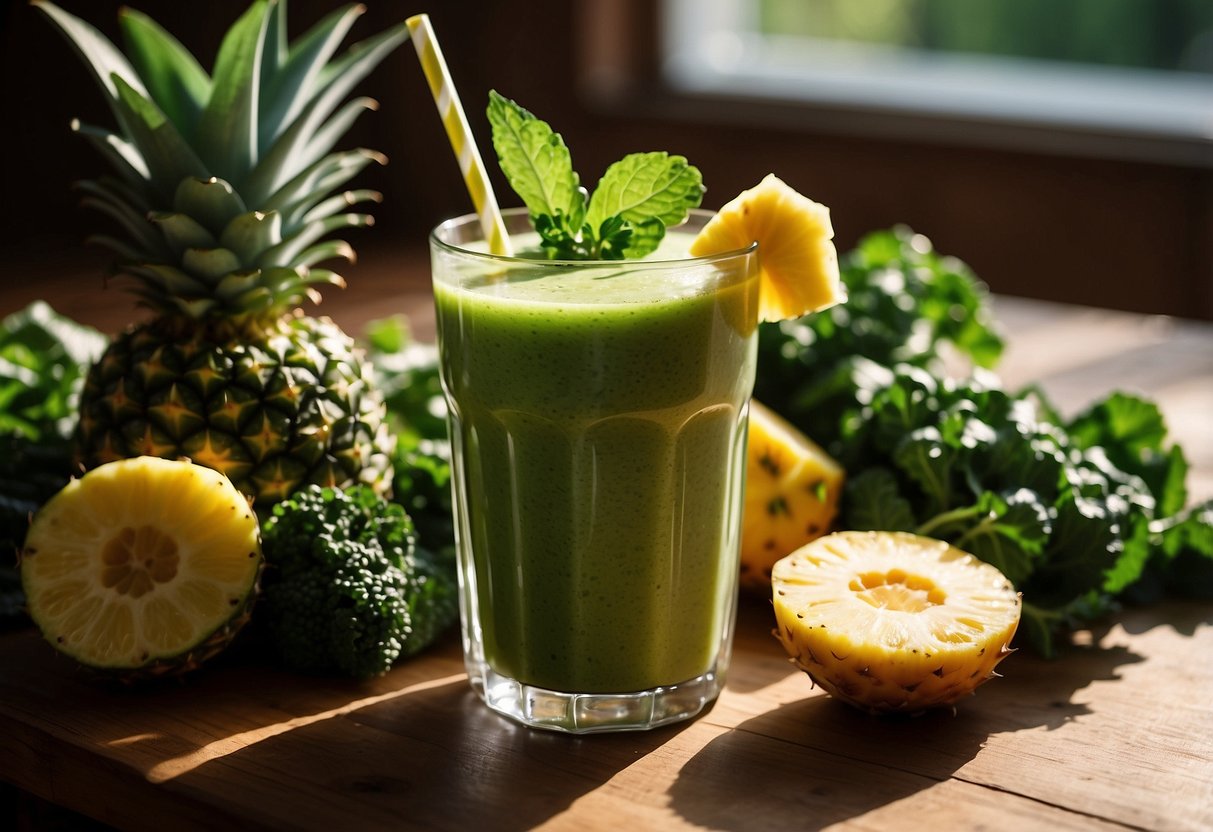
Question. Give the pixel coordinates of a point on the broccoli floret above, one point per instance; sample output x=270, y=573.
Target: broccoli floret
x=337, y=596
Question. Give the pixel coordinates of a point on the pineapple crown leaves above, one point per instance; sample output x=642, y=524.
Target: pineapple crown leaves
x=224, y=183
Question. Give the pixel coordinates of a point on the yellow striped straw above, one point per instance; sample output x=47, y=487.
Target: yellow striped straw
x=459, y=133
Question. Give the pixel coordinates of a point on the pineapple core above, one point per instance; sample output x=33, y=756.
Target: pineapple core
x=136, y=559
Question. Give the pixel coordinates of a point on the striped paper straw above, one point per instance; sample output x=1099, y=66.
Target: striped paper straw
x=459, y=133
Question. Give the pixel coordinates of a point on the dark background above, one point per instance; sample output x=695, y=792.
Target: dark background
x=1073, y=226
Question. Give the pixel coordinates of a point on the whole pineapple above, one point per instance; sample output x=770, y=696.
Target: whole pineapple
x=223, y=186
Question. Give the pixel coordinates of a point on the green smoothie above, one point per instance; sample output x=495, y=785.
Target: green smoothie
x=597, y=421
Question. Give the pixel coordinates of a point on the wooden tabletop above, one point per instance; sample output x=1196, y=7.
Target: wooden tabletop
x=1116, y=733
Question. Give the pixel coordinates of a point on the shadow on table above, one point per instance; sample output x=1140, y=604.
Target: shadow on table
x=484, y=772
x=1181, y=615
x=434, y=758
x=759, y=660
x=248, y=746
x=816, y=761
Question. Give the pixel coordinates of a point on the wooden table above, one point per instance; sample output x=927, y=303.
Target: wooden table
x=1117, y=733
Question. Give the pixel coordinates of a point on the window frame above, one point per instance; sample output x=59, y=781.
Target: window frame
x=690, y=56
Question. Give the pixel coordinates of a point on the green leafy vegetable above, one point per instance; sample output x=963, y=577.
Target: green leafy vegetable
x=905, y=305
x=407, y=374
x=1076, y=513
x=636, y=200
x=43, y=359
x=876, y=504
x=1183, y=563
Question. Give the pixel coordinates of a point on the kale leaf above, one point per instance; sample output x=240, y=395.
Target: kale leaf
x=1078, y=514
x=905, y=304
x=407, y=374
x=43, y=359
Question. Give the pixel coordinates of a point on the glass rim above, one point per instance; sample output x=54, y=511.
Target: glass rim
x=467, y=219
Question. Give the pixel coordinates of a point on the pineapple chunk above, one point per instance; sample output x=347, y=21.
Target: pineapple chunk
x=143, y=566
x=791, y=495
x=893, y=622
x=797, y=262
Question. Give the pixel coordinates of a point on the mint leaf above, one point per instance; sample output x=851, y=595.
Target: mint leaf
x=644, y=186
x=618, y=238
x=559, y=240
x=636, y=199
x=646, y=236
x=536, y=162
x=614, y=238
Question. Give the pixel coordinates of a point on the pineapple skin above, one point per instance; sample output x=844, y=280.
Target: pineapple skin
x=273, y=410
x=190, y=660
x=879, y=678
x=791, y=495
x=887, y=682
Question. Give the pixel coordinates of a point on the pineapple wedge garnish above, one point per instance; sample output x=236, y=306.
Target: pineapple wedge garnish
x=791, y=495
x=797, y=262
x=893, y=622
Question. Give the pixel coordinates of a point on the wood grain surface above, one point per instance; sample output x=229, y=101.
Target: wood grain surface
x=1117, y=733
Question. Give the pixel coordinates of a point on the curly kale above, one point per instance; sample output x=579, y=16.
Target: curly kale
x=906, y=304
x=345, y=592
x=423, y=485
x=406, y=372
x=1078, y=513
x=43, y=360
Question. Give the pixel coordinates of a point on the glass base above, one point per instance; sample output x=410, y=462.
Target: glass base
x=590, y=713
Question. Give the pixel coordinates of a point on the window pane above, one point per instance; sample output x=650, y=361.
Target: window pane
x=1144, y=34
x=1123, y=78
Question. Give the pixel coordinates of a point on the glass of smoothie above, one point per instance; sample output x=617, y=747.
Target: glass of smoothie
x=598, y=421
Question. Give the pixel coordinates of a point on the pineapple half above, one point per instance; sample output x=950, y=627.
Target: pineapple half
x=891, y=621
x=143, y=567
x=223, y=187
x=792, y=488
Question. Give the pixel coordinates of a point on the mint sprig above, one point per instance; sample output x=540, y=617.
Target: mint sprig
x=536, y=162
x=635, y=201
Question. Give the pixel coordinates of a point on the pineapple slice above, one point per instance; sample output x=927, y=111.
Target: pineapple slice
x=797, y=263
x=791, y=495
x=143, y=566
x=893, y=622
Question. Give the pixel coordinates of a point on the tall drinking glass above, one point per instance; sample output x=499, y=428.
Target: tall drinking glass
x=598, y=421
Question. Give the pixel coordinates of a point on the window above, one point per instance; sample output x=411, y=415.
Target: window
x=1122, y=78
